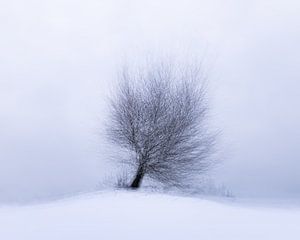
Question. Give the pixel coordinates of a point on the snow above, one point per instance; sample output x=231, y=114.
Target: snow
x=134, y=215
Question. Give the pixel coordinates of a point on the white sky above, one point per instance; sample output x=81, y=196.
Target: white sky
x=58, y=61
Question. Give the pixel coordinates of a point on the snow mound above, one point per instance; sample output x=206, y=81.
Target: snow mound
x=133, y=215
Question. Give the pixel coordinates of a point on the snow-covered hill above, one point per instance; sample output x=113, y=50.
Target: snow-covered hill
x=129, y=215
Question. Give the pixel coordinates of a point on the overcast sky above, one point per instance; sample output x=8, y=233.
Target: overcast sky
x=59, y=59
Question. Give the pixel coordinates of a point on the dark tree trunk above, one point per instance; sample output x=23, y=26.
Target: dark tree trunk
x=137, y=179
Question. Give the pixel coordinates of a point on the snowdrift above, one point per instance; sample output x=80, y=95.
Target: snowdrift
x=133, y=215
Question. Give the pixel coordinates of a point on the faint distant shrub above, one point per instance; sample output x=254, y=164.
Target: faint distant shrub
x=207, y=186
x=122, y=180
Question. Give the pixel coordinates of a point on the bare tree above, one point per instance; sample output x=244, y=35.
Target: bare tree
x=158, y=114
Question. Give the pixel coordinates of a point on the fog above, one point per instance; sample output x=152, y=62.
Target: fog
x=59, y=60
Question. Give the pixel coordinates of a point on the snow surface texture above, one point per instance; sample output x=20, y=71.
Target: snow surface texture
x=123, y=215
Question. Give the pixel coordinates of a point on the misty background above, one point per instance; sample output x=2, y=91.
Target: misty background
x=59, y=61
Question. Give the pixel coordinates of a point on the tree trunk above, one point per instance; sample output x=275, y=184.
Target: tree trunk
x=138, y=179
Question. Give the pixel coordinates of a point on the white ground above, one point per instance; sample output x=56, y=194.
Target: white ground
x=128, y=215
